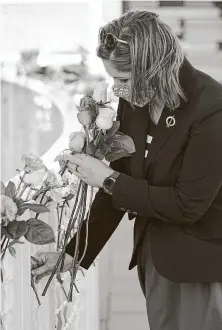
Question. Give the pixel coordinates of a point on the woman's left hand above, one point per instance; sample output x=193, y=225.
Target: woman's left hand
x=89, y=169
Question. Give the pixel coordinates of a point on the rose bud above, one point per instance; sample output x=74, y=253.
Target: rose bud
x=100, y=92
x=17, y=229
x=35, y=178
x=32, y=163
x=85, y=117
x=77, y=141
x=86, y=102
x=105, y=118
x=53, y=179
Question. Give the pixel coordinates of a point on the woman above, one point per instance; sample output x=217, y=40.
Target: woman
x=171, y=184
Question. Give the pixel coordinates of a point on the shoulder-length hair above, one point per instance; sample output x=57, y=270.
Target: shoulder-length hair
x=153, y=55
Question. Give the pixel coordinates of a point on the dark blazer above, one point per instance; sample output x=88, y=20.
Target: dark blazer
x=176, y=193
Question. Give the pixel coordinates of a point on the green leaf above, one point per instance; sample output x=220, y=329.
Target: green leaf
x=17, y=229
x=124, y=142
x=19, y=202
x=4, y=232
x=105, y=147
x=2, y=188
x=10, y=190
x=69, y=197
x=38, y=208
x=115, y=154
x=12, y=251
x=110, y=132
x=39, y=232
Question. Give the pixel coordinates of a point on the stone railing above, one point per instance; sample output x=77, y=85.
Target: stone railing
x=19, y=307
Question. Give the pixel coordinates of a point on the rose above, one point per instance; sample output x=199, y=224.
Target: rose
x=86, y=103
x=32, y=163
x=53, y=180
x=57, y=194
x=85, y=117
x=100, y=92
x=77, y=141
x=68, y=178
x=105, y=118
x=8, y=207
x=60, y=159
x=35, y=178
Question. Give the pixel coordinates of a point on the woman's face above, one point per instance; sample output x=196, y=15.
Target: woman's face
x=121, y=81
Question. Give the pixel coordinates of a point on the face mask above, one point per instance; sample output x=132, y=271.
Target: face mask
x=124, y=91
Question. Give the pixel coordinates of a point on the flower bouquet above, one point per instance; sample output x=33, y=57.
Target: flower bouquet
x=98, y=138
x=35, y=190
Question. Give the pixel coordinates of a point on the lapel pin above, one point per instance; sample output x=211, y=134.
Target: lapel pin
x=170, y=121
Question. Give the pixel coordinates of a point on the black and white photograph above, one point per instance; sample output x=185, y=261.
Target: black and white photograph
x=111, y=165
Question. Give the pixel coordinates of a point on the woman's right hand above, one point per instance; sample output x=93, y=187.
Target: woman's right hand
x=44, y=262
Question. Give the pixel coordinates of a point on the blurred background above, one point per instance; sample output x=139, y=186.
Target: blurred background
x=48, y=62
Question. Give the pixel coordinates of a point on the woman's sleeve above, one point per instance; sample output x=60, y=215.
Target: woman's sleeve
x=198, y=183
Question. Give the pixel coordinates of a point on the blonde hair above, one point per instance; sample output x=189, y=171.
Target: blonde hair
x=153, y=55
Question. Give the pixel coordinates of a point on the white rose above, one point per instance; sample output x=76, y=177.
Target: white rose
x=8, y=207
x=100, y=92
x=57, y=194
x=35, y=178
x=60, y=158
x=105, y=118
x=77, y=141
x=53, y=179
x=32, y=163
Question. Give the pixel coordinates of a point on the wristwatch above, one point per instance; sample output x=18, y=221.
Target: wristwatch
x=109, y=182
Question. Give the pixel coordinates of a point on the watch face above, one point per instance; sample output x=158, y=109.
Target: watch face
x=109, y=183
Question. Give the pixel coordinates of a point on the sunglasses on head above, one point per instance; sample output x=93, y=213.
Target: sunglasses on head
x=110, y=40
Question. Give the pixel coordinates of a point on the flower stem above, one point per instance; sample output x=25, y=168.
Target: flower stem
x=87, y=226
x=41, y=200
x=61, y=284
x=21, y=181
x=76, y=253
x=98, y=137
x=4, y=251
x=22, y=190
x=60, y=222
x=67, y=234
x=35, y=291
x=62, y=171
x=3, y=243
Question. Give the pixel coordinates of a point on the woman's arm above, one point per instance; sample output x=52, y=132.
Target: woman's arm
x=198, y=183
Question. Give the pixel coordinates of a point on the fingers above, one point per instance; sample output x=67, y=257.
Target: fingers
x=72, y=167
x=39, y=277
x=77, y=159
x=78, y=174
x=34, y=262
x=38, y=260
x=40, y=270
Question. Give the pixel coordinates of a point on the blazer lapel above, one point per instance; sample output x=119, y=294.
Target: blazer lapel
x=139, y=127
x=163, y=132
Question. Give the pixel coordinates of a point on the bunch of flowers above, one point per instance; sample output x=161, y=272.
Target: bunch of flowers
x=98, y=138
x=37, y=188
